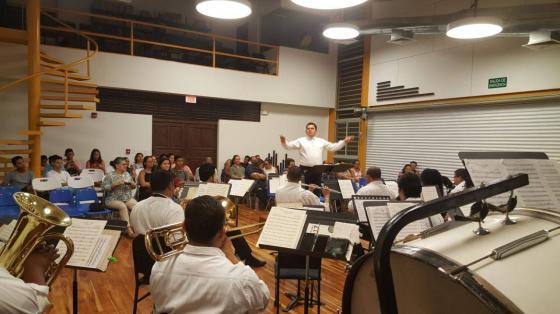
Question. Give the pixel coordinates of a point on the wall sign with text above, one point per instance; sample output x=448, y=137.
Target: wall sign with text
x=497, y=82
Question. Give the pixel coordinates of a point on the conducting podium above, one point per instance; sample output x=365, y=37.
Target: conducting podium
x=312, y=234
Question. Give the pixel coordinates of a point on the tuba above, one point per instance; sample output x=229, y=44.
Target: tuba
x=37, y=216
x=166, y=241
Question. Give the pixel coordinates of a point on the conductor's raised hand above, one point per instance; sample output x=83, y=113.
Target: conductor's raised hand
x=282, y=140
x=349, y=139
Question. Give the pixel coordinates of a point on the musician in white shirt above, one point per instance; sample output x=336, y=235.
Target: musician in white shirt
x=206, y=277
x=374, y=186
x=462, y=180
x=159, y=209
x=292, y=192
x=30, y=293
x=58, y=171
x=311, y=150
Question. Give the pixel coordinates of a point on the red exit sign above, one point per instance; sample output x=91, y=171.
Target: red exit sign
x=190, y=99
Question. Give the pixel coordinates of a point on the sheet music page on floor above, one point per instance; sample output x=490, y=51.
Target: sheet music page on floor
x=283, y=227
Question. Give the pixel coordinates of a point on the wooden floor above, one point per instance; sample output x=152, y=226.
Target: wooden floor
x=113, y=291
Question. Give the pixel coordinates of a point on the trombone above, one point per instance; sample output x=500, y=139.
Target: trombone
x=167, y=241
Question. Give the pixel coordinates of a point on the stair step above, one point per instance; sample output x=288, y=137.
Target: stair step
x=61, y=115
x=71, y=83
x=7, y=169
x=70, y=76
x=15, y=151
x=52, y=66
x=80, y=99
x=31, y=132
x=15, y=142
x=52, y=123
x=70, y=107
x=83, y=91
x=46, y=58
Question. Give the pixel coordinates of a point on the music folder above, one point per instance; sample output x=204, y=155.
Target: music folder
x=310, y=233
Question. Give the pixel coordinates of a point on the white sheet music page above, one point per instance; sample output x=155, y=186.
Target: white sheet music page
x=412, y=228
x=6, y=230
x=85, y=234
x=346, y=188
x=240, y=187
x=549, y=170
x=213, y=189
x=486, y=171
x=359, y=208
x=193, y=191
x=429, y=193
x=378, y=217
x=344, y=230
x=273, y=185
x=283, y=228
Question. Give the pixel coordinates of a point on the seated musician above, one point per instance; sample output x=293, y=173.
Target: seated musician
x=374, y=186
x=410, y=189
x=30, y=293
x=207, y=173
x=159, y=209
x=206, y=277
x=292, y=192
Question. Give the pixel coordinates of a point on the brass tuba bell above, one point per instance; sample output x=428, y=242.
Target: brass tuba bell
x=37, y=216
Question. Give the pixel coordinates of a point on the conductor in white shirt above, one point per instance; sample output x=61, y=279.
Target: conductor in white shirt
x=30, y=293
x=311, y=150
x=292, y=192
x=159, y=209
x=206, y=277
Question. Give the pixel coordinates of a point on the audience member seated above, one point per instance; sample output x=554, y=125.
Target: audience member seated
x=226, y=171
x=292, y=192
x=144, y=178
x=237, y=171
x=95, y=161
x=70, y=164
x=159, y=209
x=410, y=189
x=255, y=172
x=462, y=180
x=246, y=161
x=432, y=177
x=30, y=293
x=45, y=166
x=207, y=276
x=118, y=186
x=242, y=249
x=406, y=169
x=138, y=161
x=414, y=166
x=130, y=169
x=164, y=164
x=58, y=171
x=356, y=172
x=269, y=167
x=181, y=171
x=374, y=186
x=172, y=160
x=20, y=178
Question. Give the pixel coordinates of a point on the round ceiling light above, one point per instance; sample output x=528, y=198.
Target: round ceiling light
x=341, y=31
x=474, y=27
x=328, y=4
x=224, y=9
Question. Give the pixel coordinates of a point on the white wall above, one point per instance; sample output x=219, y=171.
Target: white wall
x=459, y=68
x=112, y=133
x=251, y=138
x=305, y=78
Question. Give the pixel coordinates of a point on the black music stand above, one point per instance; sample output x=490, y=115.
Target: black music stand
x=313, y=245
x=360, y=203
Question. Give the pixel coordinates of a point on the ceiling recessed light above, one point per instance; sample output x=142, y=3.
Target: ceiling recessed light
x=341, y=31
x=474, y=27
x=328, y=4
x=224, y=9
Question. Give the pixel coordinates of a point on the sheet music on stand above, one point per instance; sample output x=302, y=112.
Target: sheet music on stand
x=240, y=187
x=275, y=182
x=429, y=192
x=6, y=230
x=358, y=201
x=213, y=189
x=346, y=188
x=189, y=191
x=394, y=207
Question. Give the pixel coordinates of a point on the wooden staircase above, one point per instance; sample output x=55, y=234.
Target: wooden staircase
x=64, y=90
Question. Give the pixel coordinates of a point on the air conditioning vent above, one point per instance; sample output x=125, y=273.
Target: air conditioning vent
x=542, y=40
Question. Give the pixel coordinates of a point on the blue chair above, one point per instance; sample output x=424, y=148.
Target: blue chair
x=8, y=207
x=64, y=199
x=362, y=182
x=84, y=199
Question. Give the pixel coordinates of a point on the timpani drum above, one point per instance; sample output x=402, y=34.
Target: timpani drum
x=525, y=282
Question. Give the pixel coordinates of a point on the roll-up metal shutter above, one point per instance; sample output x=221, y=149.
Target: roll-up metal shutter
x=433, y=137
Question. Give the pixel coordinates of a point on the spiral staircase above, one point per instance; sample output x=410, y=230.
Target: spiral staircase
x=63, y=93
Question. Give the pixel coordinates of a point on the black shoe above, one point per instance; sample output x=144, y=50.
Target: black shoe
x=254, y=262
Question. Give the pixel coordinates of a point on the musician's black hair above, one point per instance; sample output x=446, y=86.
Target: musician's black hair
x=311, y=123
x=374, y=172
x=54, y=158
x=463, y=173
x=206, y=171
x=160, y=180
x=204, y=217
x=410, y=185
x=432, y=177
x=68, y=150
x=294, y=174
x=289, y=160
